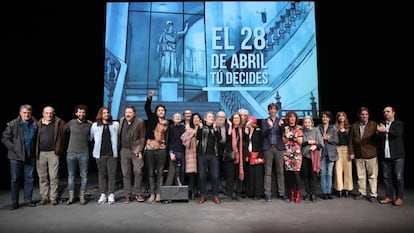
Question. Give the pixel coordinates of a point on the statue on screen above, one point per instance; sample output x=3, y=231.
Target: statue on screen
x=166, y=49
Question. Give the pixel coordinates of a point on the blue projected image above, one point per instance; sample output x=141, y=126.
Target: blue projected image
x=211, y=56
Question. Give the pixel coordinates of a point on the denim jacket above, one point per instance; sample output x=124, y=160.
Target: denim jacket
x=96, y=136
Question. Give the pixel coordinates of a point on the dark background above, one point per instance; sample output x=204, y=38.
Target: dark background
x=53, y=54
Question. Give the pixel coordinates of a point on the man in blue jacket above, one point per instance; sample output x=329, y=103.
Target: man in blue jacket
x=19, y=137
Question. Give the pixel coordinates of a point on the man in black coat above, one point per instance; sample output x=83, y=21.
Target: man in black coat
x=392, y=154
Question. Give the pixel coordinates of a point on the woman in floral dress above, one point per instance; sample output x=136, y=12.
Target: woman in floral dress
x=292, y=138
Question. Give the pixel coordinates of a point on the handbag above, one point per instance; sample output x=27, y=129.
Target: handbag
x=228, y=155
x=254, y=158
x=316, y=161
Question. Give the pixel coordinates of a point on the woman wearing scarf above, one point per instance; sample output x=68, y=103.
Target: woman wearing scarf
x=312, y=143
x=239, y=139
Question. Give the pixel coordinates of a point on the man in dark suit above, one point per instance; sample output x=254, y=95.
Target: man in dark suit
x=392, y=154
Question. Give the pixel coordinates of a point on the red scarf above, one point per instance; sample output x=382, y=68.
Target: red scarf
x=238, y=152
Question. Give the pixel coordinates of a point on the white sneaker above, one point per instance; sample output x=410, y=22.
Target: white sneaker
x=102, y=199
x=111, y=199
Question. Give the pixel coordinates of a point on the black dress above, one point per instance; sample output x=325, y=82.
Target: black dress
x=255, y=173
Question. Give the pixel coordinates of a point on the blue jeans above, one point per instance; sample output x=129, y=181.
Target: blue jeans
x=326, y=174
x=16, y=168
x=74, y=160
x=176, y=168
x=393, y=171
x=209, y=164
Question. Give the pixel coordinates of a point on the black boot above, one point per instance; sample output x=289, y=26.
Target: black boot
x=312, y=197
x=345, y=193
x=191, y=194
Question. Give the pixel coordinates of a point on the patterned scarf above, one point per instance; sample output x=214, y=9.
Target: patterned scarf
x=238, y=152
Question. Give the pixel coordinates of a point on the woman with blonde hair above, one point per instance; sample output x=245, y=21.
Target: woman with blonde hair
x=312, y=145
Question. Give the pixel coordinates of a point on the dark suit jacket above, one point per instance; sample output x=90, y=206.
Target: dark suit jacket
x=365, y=147
x=395, y=139
x=266, y=132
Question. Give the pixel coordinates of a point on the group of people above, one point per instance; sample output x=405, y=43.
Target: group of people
x=213, y=153
x=307, y=154
x=39, y=144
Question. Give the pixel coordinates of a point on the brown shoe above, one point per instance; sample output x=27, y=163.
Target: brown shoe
x=398, y=202
x=386, y=200
x=127, y=200
x=201, y=200
x=216, y=200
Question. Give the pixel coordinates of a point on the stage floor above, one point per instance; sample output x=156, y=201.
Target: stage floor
x=336, y=215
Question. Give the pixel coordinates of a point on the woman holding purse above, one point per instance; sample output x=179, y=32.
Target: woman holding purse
x=255, y=167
